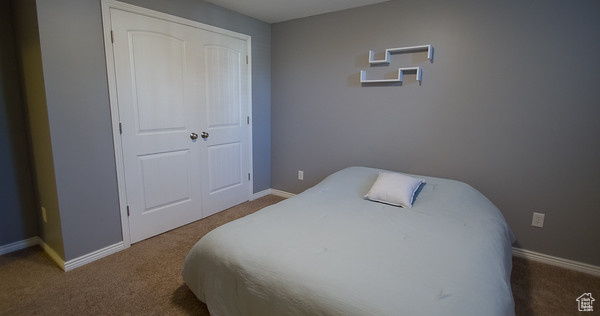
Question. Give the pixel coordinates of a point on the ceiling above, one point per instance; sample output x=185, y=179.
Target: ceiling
x=273, y=11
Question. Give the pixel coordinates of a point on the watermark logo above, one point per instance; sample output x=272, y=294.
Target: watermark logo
x=585, y=302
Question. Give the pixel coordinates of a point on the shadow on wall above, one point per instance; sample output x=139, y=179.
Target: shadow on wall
x=18, y=218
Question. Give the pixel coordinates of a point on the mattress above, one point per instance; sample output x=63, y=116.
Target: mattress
x=328, y=251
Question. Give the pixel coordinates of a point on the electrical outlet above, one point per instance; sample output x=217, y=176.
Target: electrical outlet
x=538, y=220
x=44, y=215
x=300, y=175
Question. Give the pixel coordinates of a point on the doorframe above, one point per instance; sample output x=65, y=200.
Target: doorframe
x=114, y=106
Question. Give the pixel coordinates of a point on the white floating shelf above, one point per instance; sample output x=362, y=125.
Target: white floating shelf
x=363, y=76
x=400, y=50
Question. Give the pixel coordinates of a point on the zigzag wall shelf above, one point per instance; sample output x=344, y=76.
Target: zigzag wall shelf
x=386, y=60
x=401, y=50
x=363, y=75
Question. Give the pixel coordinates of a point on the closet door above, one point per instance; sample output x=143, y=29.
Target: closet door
x=180, y=108
x=226, y=118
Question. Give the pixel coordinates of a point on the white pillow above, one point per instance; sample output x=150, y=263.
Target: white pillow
x=394, y=189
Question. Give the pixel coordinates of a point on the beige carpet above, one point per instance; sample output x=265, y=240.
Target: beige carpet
x=146, y=279
x=541, y=289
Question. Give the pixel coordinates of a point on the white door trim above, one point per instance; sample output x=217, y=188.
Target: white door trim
x=114, y=106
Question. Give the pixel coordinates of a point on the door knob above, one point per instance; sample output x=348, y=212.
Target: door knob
x=193, y=136
x=203, y=135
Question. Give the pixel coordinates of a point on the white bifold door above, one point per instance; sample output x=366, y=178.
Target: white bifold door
x=183, y=103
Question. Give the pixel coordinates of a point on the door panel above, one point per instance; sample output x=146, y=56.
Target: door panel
x=165, y=179
x=223, y=87
x=158, y=108
x=158, y=84
x=226, y=170
x=226, y=110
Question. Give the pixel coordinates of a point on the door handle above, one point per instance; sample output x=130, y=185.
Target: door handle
x=204, y=135
x=194, y=136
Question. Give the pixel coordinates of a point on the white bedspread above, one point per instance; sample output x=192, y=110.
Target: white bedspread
x=328, y=251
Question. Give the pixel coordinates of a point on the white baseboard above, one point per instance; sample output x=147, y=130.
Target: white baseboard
x=83, y=260
x=556, y=261
x=66, y=266
x=30, y=242
x=93, y=256
x=266, y=192
x=260, y=194
x=283, y=194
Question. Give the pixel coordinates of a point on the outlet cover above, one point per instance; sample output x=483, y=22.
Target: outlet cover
x=538, y=220
x=300, y=175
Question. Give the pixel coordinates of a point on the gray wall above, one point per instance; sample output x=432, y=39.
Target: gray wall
x=510, y=105
x=18, y=219
x=79, y=145
x=78, y=108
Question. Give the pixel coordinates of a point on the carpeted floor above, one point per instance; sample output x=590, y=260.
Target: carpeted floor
x=145, y=279
x=541, y=289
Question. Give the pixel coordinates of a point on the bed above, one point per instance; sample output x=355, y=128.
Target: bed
x=330, y=251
